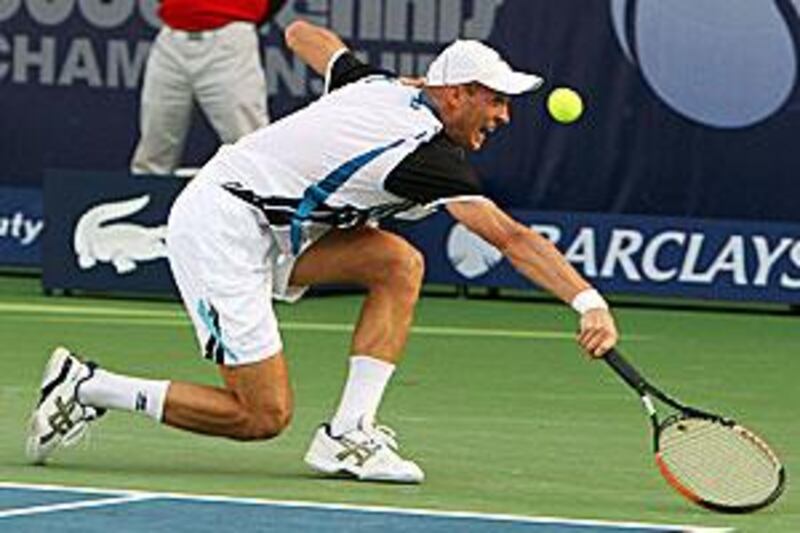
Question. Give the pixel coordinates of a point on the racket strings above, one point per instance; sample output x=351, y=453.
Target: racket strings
x=730, y=469
x=719, y=463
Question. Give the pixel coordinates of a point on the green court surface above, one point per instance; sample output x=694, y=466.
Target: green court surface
x=493, y=399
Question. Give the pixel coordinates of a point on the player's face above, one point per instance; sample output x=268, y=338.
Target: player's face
x=479, y=112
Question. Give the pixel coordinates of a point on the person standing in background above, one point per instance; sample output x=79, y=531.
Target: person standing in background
x=207, y=51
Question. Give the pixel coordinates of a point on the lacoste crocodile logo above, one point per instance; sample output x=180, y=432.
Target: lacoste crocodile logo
x=97, y=239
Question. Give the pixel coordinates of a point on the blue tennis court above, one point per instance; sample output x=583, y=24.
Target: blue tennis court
x=33, y=508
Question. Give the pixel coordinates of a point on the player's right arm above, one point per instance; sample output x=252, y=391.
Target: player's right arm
x=540, y=261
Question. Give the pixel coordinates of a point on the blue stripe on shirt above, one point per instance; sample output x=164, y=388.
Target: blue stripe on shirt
x=316, y=194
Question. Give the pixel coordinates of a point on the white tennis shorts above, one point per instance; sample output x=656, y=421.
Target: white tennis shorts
x=228, y=266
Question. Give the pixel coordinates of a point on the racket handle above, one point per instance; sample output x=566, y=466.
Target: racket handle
x=625, y=370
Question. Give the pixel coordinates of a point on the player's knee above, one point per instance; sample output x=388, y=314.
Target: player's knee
x=263, y=425
x=270, y=424
x=407, y=277
x=403, y=268
x=415, y=270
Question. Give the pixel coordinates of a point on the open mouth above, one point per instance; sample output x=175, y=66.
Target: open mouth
x=485, y=132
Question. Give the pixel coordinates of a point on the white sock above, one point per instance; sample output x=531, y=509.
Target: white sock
x=362, y=394
x=113, y=391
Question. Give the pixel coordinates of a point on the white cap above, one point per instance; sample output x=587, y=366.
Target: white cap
x=472, y=61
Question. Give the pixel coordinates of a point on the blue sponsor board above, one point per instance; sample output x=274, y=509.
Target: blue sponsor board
x=719, y=260
x=677, y=122
x=106, y=232
x=21, y=225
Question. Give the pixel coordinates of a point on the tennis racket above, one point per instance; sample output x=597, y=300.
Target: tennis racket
x=709, y=459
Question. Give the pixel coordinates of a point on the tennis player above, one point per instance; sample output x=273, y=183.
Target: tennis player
x=298, y=203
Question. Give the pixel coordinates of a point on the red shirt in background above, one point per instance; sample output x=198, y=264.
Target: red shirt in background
x=199, y=15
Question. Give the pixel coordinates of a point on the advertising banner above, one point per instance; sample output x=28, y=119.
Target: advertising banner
x=21, y=225
x=692, y=108
x=661, y=256
x=106, y=233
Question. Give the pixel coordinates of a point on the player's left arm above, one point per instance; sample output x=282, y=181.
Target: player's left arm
x=539, y=260
x=329, y=56
x=315, y=45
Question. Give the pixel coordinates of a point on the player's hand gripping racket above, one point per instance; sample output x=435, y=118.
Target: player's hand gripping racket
x=711, y=460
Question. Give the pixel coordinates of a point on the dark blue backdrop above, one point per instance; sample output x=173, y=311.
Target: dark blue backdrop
x=692, y=105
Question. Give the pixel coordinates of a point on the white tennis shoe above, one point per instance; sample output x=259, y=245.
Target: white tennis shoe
x=368, y=453
x=59, y=419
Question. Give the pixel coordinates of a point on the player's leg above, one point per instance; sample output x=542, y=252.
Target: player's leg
x=217, y=251
x=165, y=108
x=256, y=402
x=231, y=88
x=387, y=266
x=391, y=270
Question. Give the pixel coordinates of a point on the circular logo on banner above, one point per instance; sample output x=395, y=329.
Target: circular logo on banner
x=470, y=255
x=722, y=63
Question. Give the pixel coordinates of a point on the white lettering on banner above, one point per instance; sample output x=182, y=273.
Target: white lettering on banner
x=49, y=13
x=624, y=243
x=9, y=8
x=101, y=14
x=398, y=23
x=398, y=20
x=767, y=259
x=5, y=48
x=21, y=228
x=745, y=260
x=148, y=9
x=401, y=21
x=44, y=60
x=582, y=252
x=288, y=69
x=650, y=267
x=123, y=68
x=107, y=13
x=688, y=269
x=423, y=30
x=730, y=259
x=114, y=63
x=80, y=65
x=787, y=281
x=413, y=30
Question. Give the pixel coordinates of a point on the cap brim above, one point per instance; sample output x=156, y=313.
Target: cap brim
x=514, y=83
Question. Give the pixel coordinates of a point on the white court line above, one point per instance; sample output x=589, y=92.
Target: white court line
x=111, y=315
x=56, y=308
x=70, y=506
x=491, y=517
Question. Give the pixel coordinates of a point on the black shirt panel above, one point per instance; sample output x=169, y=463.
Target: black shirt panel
x=348, y=68
x=436, y=170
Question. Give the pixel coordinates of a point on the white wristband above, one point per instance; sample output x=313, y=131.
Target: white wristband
x=588, y=300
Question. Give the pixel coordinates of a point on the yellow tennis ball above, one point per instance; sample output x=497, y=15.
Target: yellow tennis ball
x=565, y=105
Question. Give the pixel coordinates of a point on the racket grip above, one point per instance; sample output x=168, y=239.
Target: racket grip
x=625, y=370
